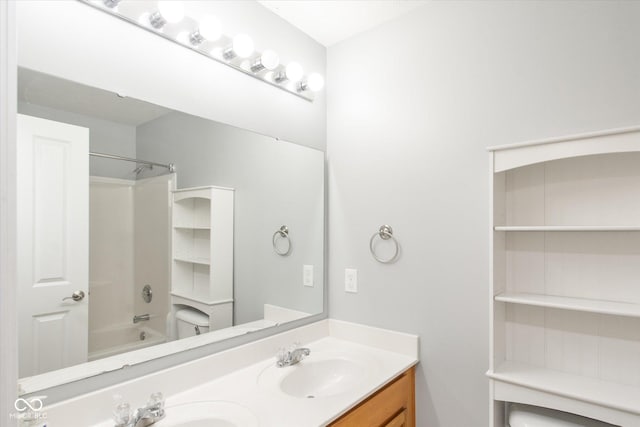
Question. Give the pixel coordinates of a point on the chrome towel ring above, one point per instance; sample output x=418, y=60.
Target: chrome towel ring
x=283, y=232
x=385, y=233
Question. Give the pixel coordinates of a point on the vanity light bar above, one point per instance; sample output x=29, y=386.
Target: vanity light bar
x=204, y=36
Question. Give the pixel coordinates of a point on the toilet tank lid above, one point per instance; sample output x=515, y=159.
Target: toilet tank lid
x=529, y=416
x=194, y=317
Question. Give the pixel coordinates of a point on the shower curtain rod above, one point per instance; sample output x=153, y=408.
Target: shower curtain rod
x=170, y=166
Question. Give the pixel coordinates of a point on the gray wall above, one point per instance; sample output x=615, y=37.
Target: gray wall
x=275, y=183
x=105, y=137
x=412, y=105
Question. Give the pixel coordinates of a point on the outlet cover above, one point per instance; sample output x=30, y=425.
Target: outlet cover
x=307, y=275
x=351, y=280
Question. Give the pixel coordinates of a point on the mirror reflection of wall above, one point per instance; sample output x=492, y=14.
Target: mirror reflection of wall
x=132, y=233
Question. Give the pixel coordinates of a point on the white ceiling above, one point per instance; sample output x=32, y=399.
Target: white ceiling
x=331, y=21
x=53, y=92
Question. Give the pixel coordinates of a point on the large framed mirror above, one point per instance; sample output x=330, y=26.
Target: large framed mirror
x=145, y=232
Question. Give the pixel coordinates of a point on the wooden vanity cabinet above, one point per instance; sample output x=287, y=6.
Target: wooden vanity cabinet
x=392, y=406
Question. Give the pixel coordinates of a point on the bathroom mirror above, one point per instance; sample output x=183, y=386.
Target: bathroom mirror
x=147, y=231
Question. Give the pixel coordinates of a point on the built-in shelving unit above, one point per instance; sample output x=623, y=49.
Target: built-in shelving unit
x=565, y=276
x=202, y=251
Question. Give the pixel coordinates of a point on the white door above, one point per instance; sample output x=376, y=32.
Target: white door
x=53, y=234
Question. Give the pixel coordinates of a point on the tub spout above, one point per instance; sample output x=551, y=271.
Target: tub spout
x=139, y=317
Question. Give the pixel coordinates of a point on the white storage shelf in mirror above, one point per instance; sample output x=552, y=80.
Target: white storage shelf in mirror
x=203, y=245
x=565, y=276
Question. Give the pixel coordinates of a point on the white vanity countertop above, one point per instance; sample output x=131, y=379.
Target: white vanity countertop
x=276, y=409
x=383, y=354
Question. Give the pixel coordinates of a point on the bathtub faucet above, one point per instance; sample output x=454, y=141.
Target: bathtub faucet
x=139, y=317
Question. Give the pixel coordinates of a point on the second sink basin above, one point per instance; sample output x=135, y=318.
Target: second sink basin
x=208, y=414
x=318, y=376
x=322, y=378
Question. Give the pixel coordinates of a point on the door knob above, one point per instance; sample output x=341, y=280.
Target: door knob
x=76, y=296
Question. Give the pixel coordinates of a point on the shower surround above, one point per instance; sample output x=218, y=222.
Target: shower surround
x=129, y=248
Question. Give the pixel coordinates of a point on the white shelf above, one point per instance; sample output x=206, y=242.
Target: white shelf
x=193, y=260
x=197, y=299
x=568, y=303
x=191, y=227
x=610, y=394
x=566, y=228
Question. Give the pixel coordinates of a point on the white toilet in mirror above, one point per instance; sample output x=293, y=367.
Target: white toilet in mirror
x=534, y=416
x=191, y=322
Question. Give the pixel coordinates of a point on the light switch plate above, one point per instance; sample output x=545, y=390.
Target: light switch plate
x=307, y=275
x=351, y=280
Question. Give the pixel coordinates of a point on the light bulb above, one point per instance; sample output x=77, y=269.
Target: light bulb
x=171, y=11
x=210, y=28
x=315, y=82
x=144, y=19
x=269, y=59
x=183, y=37
x=242, y=45
x=294, y=71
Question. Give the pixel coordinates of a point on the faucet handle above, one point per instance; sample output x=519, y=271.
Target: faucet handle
x=122, y=414
x=282, y=354
x=156, y=399
x=294, y=346
x=155, y=404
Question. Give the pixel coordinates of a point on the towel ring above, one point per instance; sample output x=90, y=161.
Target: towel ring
x=385, y=233
x=283, y=232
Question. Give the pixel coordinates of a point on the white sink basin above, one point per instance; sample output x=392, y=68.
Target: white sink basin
x=322, y=378
x=208, y=414
x=318, y=376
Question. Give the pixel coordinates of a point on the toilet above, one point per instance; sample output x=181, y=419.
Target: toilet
x=191, y=322
x=533, y=416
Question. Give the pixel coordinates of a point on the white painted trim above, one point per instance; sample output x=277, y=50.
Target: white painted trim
x=492, y=411
x=8, y=315
x=573, y=137
x=605, y=142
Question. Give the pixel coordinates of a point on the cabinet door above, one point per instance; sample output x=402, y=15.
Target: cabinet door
x=399, y=420
x=393, y=406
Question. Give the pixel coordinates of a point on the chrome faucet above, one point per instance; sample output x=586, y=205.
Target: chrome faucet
x=139, y=317
x=292, y=356
x=149, y=414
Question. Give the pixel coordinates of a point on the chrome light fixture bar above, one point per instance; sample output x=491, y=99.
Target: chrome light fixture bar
x=205, y=37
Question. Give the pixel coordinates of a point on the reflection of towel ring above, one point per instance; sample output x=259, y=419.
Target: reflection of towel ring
x=385, y=232
x=284, y=233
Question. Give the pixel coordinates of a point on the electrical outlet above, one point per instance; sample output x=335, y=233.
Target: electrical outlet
x=307, y=275
x=351, y=280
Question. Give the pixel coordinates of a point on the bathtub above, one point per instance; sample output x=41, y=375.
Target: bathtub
x=120, y=339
